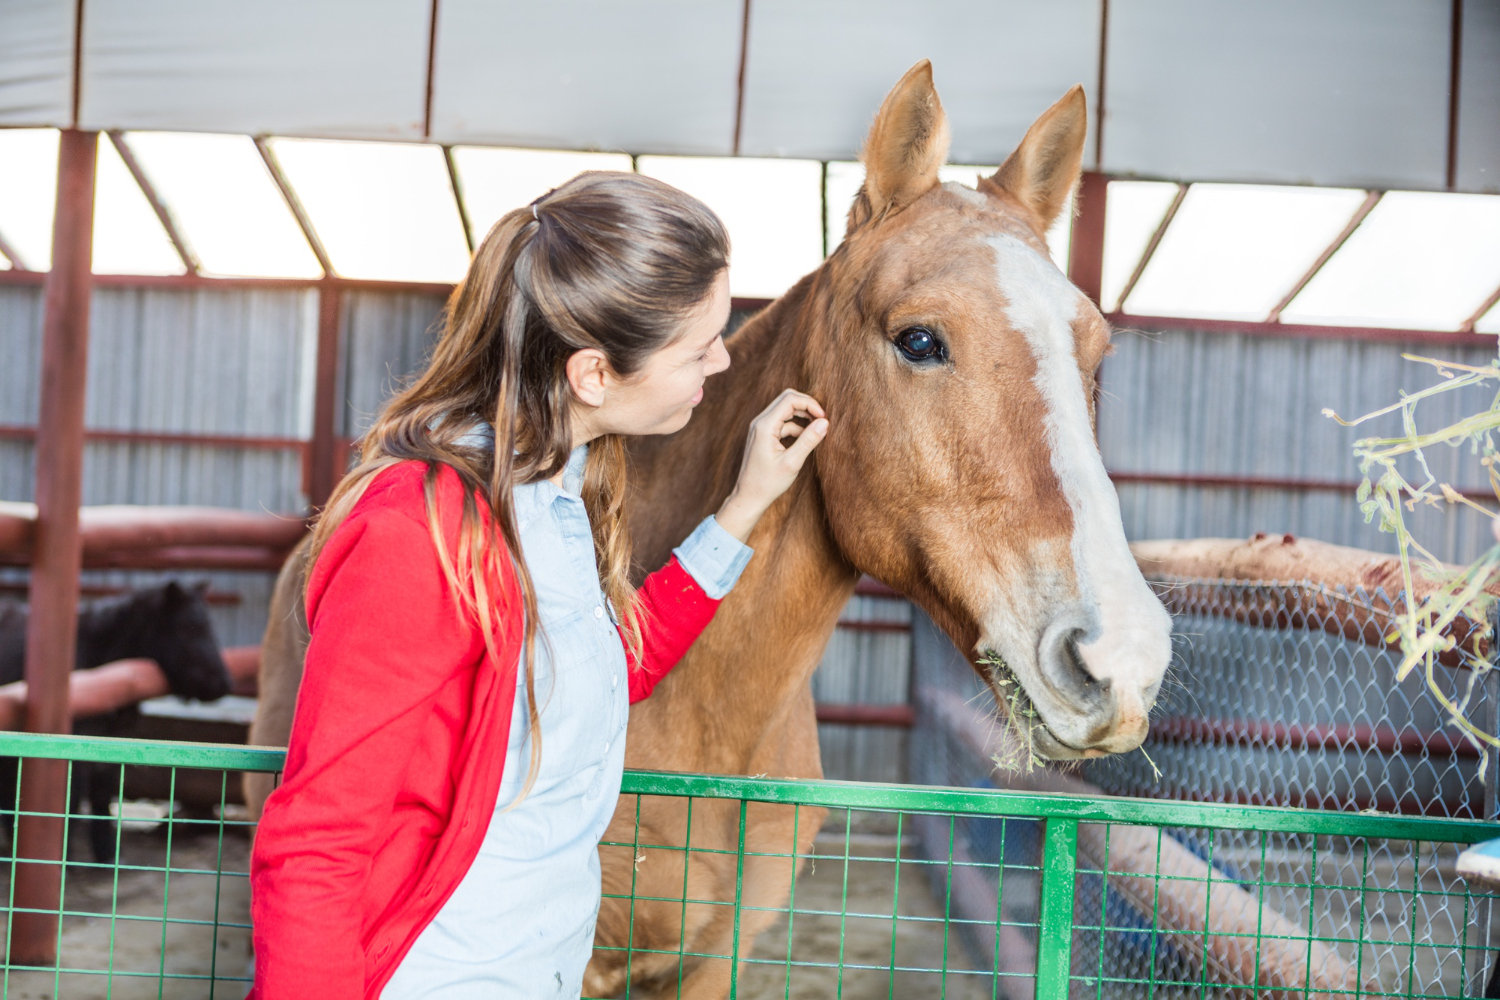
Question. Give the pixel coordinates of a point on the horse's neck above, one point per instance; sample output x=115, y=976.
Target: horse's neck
x=685, y=477
x=751, y=667
x=117, y=628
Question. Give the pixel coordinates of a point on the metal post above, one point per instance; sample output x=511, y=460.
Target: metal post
x=323, y=471
x=51, y=631
x=1488, y=925
x=1086, y=251
x=1054, y=961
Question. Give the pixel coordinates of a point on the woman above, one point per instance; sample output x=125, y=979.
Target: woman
x=459, y=735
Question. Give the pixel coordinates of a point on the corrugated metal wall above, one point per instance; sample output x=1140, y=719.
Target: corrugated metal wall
x=870, y=667
x=1229, y=404
x=232, y=362
x=21, y=349
x=386, y=339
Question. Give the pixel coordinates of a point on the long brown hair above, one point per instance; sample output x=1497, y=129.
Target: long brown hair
x=612, y=261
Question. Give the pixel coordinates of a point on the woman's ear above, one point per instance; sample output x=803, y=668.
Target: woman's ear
x=588, y=373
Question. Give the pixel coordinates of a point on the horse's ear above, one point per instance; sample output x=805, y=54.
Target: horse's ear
x=1042, y=171
x=905, y=147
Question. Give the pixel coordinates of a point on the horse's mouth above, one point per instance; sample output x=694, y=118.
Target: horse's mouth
x=1033, y=742
x=1050, y=747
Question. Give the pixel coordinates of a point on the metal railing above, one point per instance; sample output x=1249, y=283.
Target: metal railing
x=864, y=912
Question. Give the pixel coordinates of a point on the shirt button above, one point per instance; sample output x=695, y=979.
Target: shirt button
x=598, y=611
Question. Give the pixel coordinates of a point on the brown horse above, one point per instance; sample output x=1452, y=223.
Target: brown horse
x=957, y=367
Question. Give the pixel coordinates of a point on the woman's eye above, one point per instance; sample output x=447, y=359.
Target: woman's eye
x=919, y=344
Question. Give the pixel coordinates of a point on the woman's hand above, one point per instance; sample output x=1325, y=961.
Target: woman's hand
x=769, y=467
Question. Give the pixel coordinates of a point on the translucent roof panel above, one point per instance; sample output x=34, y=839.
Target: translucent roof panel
x=384, y=211
x=844, y=179
x=773, y=209
x=225, y=204
x=1490, y=321
x=28, y=190
x=128, y=237
x=1132, y=212
x=1418, y=261
x=1234, y=250
x=494, y=181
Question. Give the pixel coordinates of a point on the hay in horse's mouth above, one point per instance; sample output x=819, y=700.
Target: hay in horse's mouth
x=1021, y=716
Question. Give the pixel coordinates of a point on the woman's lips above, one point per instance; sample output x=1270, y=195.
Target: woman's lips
x=697, y=397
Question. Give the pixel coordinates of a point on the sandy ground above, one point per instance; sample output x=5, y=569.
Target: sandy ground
x=154, y=914
x=928, y=962
x=194, y=954
x=843, y=917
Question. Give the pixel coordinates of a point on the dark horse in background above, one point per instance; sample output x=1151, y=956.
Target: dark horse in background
x=168, y=624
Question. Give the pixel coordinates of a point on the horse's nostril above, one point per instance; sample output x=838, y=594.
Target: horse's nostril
x=1069, y=670
x=1072, y=659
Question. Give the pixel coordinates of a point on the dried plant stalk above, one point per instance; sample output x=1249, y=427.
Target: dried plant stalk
x=1423, y=628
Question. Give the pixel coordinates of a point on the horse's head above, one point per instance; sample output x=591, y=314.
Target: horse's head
x=961, y=465
x=180, y=638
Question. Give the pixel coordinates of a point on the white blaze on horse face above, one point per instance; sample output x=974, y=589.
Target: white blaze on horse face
x=1129, y=643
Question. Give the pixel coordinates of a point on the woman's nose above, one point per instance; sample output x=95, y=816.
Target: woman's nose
x=719, y=358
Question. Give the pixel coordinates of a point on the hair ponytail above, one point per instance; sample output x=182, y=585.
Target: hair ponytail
x=611, y=261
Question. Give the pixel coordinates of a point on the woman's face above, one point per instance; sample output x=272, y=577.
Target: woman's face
x=659, y=398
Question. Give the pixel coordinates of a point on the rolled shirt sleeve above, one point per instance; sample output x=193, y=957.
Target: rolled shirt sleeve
x=713, y=557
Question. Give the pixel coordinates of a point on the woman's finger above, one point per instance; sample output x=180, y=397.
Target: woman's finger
x=790, y=429
x=789, y=404
x=813, y=436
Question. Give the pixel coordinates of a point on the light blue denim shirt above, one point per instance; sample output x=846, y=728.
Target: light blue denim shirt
x=521, y=922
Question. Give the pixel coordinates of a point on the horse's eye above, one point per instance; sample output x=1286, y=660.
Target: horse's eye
x=919, y=344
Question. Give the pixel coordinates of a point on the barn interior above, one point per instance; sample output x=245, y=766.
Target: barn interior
x=227, y=233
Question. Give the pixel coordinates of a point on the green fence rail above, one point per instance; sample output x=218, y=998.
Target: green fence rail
x=759, y=887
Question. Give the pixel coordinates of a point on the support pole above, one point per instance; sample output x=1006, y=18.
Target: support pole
x=51, y=633
x=1086, y=252
x=323, y=466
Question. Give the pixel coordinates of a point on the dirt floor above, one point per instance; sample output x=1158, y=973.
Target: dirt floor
x=199, y=964
x=155, y=913
x=924, y=962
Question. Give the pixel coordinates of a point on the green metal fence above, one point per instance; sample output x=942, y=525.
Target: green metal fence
x=824, y=889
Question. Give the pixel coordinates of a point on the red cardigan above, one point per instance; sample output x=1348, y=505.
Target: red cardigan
x=398, y=744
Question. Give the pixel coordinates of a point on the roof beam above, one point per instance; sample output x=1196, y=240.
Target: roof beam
x=1484, y=307
x=432, y=25
x=1161, y=230
x=9, y=253
x=1099, y=93
x=739, y=86
x=456, y=186
x=163, y=215
x=1371, y=200
x=1455, y=74
x=299, y=212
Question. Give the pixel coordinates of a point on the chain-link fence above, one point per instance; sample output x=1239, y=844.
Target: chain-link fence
x=1269, y=700
x=1279, y=694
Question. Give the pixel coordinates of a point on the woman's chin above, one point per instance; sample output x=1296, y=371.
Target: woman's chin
x=670, y=425
x=680, y=421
